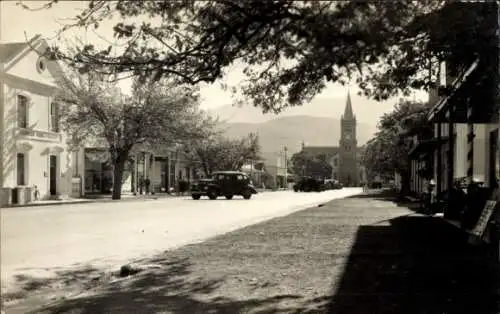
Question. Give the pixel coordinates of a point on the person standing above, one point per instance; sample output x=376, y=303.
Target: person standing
x=147, y=183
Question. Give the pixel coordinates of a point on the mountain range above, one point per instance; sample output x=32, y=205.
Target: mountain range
x=290, y=130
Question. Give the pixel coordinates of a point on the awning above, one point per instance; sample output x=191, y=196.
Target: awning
x=425, y=147
x=459, y=81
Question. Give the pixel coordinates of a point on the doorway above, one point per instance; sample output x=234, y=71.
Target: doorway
x=493, y=166
x=53, y=175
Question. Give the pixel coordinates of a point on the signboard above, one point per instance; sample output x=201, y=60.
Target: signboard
x=484, y=218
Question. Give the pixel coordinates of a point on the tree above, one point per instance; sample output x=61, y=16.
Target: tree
x=291, y=48
x=157, y=114
x=315, y=166
x=220, y=153
x=387, y=152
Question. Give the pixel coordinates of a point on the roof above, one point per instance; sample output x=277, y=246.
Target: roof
x=9, y=51
x=228, y=172
x=348, y=114
x=319, y=150
x=328, y=150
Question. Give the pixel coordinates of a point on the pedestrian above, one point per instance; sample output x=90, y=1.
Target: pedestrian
x=147, y=183
x=37, y=192
x=141, y=185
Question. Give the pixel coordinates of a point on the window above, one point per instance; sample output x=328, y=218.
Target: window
x=40, y=65
x=54, y=117
x=21, y=173
x=22, y=111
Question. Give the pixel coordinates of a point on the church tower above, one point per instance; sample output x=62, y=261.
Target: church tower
x=348, y=172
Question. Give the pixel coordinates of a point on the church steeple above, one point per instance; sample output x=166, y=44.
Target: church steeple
x=348, y=114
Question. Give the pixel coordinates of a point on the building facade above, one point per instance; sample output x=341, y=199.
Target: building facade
x=163, y=166
x=34, y=154
x=36, y=159
x=344, y=159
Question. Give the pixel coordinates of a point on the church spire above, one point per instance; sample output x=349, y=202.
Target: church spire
x=348, y=114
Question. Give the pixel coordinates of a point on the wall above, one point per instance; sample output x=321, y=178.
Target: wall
x=36, y=148
x=481, y=152
x=25, y=65
x=23, y=76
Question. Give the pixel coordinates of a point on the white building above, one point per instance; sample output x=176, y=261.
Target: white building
x=33, y=149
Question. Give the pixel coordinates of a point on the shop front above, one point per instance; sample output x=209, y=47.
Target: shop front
x=98, y=172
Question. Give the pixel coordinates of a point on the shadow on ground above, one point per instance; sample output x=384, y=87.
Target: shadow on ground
x=84, y=276
x=409, y=264
x=165, y=290
x=416, y=265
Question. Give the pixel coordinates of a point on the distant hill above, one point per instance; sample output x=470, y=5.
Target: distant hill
x=366, y=110
x=290, y=131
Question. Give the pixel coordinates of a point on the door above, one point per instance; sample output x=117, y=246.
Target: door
x=53, y=175
x=229, y=185
x=493, y=175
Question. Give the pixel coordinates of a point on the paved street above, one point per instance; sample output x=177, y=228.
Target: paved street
x=362, y=254
x=36, y=239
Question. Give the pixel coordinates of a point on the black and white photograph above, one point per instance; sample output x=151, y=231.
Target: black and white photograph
x=249, y=157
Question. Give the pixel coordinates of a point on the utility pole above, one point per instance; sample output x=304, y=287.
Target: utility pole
x=286, y=168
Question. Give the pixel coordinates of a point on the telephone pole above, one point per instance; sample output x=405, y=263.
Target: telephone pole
x=286, y=167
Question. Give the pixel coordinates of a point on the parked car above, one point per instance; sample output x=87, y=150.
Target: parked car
x=309, y=184
x=224, y=183
x=332, y=184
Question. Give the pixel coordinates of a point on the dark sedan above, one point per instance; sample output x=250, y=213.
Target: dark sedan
x=309, y=184
x=224, y=183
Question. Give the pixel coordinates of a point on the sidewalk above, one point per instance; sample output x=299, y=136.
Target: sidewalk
x=107, y=198
x=95, y=198
x=363, y=254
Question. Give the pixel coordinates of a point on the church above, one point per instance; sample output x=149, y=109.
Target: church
x=345, y=159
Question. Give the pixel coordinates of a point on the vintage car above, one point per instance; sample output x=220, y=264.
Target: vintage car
x=224, y=183
x=309, y=184
x=332, y=184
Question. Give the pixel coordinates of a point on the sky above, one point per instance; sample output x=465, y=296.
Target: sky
x=18, y=25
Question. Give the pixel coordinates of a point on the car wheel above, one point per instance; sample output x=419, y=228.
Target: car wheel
x=196, y=196
x=295, y=189
x=247, y=194
x=212, y=194
x=229, y=197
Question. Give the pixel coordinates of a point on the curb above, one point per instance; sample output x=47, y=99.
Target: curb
x=85, y=201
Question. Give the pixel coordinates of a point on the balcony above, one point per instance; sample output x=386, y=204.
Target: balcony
x=38, y=135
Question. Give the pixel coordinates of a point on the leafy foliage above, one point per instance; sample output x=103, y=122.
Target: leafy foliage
x=158, y=114
x=291, y=48
x=315, y=166
x=388, y=151
x=220, y=153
